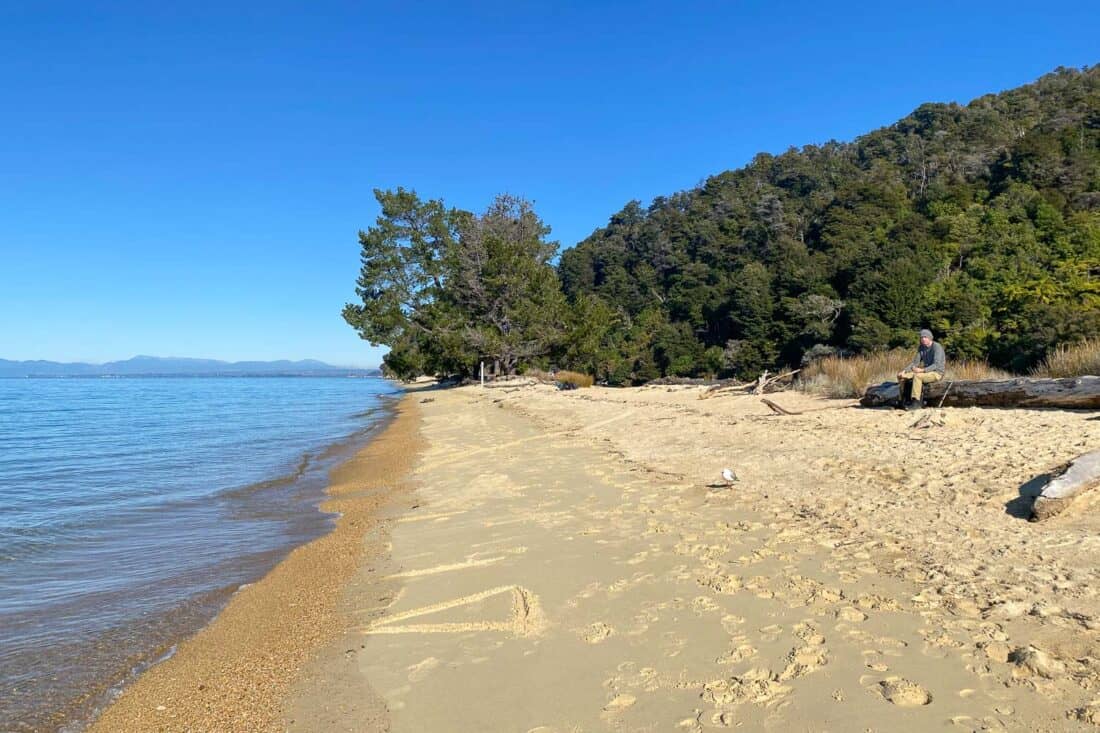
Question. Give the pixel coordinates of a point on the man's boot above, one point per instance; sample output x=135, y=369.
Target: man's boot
x=914, y=405
x=904, y=390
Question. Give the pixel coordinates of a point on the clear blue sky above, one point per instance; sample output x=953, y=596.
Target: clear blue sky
x=187, y=178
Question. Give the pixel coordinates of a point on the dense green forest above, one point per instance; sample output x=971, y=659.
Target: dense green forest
x=979, y=221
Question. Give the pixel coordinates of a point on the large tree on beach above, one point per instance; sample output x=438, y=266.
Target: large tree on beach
x=446, y=288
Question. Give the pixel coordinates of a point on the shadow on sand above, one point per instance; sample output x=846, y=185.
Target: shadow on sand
x=1021, y=506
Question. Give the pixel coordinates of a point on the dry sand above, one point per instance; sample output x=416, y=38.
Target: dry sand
x=571, y=566
x=235, y=673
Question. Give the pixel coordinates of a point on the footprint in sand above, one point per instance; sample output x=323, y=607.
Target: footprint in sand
x=807, y=658
x=737, y=654
x=759, y=686
x=597, y=632
x=989, y=724
x=903, y=692
x=770, y=632
x=618, y=704
x=731, y=622
x=723, y=720
x=848, y=613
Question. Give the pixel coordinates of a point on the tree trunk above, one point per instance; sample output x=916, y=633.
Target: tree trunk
x=1079, y=393
x=1082, y=473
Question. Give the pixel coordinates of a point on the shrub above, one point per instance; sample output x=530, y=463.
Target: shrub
x=838, y=376
x=1074, y=360
x=576, y=379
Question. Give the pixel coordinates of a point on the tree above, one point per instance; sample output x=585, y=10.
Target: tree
x=444, y=288
x=505, y=286
x=402, y=282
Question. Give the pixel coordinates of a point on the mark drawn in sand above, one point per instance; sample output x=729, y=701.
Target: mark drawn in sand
x=471, y=563
x=429, y=517
x=526, y=620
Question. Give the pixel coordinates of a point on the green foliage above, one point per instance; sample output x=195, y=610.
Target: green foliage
x=981, y=222
x=445, y=289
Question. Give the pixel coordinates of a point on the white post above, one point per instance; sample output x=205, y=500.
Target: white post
x=482, y=374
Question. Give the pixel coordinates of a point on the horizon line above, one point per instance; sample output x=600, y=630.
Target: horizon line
x=189, y=358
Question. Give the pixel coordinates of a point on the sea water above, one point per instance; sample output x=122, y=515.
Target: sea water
x=131, y=509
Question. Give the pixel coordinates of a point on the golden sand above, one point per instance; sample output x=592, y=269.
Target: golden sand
x=576, y=563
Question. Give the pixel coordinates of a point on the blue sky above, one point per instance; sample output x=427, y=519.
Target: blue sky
x=187, y=179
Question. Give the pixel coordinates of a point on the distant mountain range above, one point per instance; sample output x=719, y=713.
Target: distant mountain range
x=153, y=366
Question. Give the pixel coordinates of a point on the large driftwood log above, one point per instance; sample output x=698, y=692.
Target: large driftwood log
x=1079, y=393
x=1082, y=473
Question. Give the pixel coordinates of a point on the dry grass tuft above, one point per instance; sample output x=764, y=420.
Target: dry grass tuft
x=1074, y=360
x=974, y=370
x=836, y=376
x=540, y=376
x=574, y=378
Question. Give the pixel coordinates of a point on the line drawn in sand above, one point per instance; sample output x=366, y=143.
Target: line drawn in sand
x=446, y=568
x=526, y=618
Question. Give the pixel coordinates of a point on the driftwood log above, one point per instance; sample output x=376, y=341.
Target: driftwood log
x=778, y=409
x=760, y=385
x=1081, y=473
x=1078, y=393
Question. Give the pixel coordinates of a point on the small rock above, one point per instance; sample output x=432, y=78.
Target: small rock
x=1033, y=662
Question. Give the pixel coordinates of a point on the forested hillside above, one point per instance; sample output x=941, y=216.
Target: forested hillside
x=981, y=222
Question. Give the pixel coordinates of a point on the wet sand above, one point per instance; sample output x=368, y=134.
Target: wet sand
x=575, y=563
x=235, y=674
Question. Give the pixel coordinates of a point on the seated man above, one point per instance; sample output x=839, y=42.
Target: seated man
x=927, y=367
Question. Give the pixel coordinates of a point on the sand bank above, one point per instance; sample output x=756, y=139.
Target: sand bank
x=235, y=673
x=573, y=563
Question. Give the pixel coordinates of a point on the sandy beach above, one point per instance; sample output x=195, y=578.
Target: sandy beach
x=575, y=564
x=572, y=561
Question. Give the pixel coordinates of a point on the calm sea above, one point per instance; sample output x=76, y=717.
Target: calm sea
x=130, y=509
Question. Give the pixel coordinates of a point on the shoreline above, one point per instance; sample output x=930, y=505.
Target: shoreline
x=234, y=673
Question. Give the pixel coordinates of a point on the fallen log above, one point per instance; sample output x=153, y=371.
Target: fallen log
x=1081, y=473
x=778, y=409
x=1077, y=393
